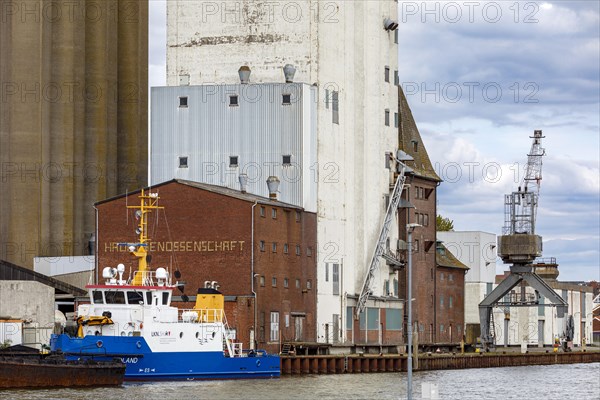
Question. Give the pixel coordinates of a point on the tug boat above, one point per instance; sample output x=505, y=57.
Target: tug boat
x=133, y=320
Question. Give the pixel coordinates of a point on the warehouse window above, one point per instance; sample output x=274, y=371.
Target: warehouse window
x=450, y=302
x=274, y=326
x=441, y=328
x=274, y=213
x=336, y=108
x=309, y=284
x=274, y=247
x=262, y=211
x=327, y=99
x=262, y=245
x=285, y=248
x=286, y=282
x=274, y=282
x=183, y=162
x=286, y=99
x=297, y=283
x=326, y=272
x=262, y=280
x=451, y=277
x=387, y=117
x=234, y=100
x=396, y=36
x=287, y=160
x=298, y=216
x=396, y=79
x=393, y=319
x=309, y=251
x=297, y=249
x=396, y=120
x=442, y=301
x=335, y=275
x=233, y=161
x=386, y=73
x=183, y=102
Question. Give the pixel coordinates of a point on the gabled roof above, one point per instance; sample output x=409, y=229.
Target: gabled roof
x=408, y=134
x=12, y=272
x=249, y=197
x=444, y=258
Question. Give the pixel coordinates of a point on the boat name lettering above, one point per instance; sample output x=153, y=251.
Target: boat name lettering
x=200, y=246
x=130, y=360
x=163, y=333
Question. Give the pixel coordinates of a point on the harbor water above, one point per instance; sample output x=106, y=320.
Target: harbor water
x=574, y=381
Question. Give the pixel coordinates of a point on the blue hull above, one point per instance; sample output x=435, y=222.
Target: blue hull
x=143, y=364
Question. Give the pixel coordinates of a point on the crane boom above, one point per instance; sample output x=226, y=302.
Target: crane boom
x=383, y=235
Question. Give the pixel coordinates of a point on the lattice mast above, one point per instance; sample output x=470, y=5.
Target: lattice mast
x=521, y=206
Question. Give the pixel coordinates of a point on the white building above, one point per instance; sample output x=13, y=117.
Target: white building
x=347, y=52
x=535, y=325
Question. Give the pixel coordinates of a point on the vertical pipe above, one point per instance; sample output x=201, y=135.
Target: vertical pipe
x=252, y=273
x=409, y=359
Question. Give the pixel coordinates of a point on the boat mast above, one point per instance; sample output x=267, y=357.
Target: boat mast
x=148, y=203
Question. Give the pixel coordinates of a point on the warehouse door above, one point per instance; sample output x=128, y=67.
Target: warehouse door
x=298, y=329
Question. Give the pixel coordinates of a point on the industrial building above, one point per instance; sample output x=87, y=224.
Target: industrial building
x=73, y=119
x=535, y=325
x=260, y=251
x=348, y=129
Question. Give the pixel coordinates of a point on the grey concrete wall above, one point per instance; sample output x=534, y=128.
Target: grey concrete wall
x=32, y=302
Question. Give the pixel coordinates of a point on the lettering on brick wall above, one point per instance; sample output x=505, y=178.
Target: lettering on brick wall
x=203, y=246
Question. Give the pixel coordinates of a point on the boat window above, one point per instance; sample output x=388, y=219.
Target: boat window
x=134, y=297
x=149, y=298
x=166, y=298
x=97, y=295
x=114, y=297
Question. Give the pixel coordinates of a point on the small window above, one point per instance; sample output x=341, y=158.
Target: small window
x=396, y=79
x=135, y=297
x=297, y=283
x=450, y=302
x=442, y=328
x=441, y=301
x=327, y=99
x=287, y=160
x=396, y=36
x=298, y=250
x=396, y=120
x=415, y=146
x=451, y=277
x=416, y=246
x=274, y=247
x=309, y=251
x=386, y=73
x=387, y=117
x=326, y=272
x=233, y=100
x=298, y=216
x=183, y=162
x=286, y=99
x=262, y=211
x=309, y=284
x=114, y=297
x=336, y=108
x=262, y=245
x=183, y=102
x=286, y=282
x=233, y=161
x=98, y=299
x=262, y=280
x=165, y=298
x=441, y=277
x=274, y=282
x=274, y=213
x=285, y=248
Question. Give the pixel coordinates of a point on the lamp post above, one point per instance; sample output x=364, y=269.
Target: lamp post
x=409, y=230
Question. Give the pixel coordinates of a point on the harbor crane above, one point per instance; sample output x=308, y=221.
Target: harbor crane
x=379, y=252
x=519, y=246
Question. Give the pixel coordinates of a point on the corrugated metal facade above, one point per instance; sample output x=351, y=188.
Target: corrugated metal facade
x=260, y=130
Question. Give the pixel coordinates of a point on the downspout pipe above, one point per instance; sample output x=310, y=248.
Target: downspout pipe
x=252, y=274
x=96, y=246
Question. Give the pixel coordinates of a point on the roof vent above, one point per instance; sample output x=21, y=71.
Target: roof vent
x=289, y=71
x=273, y=185
x=244, y=73
x=243, y=182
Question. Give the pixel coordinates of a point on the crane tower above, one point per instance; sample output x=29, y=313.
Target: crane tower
x=519, y=246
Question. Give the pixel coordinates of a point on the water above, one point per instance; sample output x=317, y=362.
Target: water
x=560, y=382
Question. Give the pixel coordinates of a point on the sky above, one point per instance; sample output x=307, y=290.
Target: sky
x=480, y=77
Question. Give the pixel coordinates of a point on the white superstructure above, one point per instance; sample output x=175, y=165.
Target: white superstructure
x=348, y=51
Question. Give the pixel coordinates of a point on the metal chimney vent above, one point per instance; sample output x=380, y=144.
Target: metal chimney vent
x=289, y=71
x=244, y=73
x=273, y=185
x=243, y=182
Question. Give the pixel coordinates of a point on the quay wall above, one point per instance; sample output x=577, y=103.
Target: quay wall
x=354, y=363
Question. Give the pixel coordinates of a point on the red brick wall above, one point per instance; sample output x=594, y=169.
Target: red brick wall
x=450, y=316
x=423, y=259
x=214, y=242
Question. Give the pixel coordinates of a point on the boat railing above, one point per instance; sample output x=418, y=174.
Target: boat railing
x=201, y=315
x=148, y=278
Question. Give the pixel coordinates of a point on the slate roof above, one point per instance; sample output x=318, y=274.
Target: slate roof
x=444, y=258
x=408, y=134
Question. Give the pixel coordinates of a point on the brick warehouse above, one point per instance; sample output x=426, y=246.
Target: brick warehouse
x=244, y=242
